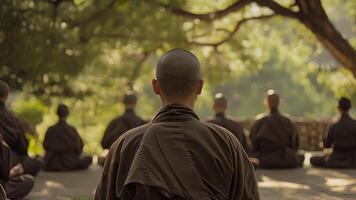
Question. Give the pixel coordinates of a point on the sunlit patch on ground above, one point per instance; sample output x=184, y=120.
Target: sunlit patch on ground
x=290, y=184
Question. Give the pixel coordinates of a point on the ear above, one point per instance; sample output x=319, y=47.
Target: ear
x=155, y=87
x=200, y=87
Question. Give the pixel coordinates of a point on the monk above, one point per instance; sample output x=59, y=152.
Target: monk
x=14, y=184
x=14, y=135
x=341, y=138
x=177, y=156
x=220, y=106
x=121, y=124
x=274, y=137
x=64, y=146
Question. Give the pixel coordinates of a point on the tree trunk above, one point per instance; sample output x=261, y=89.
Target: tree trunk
x=313, y=16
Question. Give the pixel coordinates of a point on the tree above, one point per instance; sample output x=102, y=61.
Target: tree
x=309, y=13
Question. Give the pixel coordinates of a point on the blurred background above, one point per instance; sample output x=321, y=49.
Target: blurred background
x=88, y=53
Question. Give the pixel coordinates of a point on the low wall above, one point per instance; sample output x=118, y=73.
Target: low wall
x=311, y=132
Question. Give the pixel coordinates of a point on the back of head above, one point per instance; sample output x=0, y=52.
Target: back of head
x=4, y=90
x=62, y=111
x=220, y=102
x=272, y=99
x=130, y=98
x=344, y=104
x=178, y=72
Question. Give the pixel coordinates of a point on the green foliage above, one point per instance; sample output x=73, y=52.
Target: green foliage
x=30, y=109
x=88, y=53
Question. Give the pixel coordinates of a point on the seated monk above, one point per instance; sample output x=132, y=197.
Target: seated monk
x=121, y=124
x=274, y=137
x=13, y=183
x=13, y=134
x=220, y=106
x=64, y=146
x=177, y=156
x=341, y=138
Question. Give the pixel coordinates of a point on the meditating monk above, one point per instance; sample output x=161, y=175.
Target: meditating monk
x=63, y=146
x=121, y=124
x=13, y=183
x=177, y=156
x=341, y=138
x=14, y=136
x=274, y=137
x=220, y=107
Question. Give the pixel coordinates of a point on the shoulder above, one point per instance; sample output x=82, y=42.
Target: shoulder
x=131, y=136
x=261, y=116
x=223, y=132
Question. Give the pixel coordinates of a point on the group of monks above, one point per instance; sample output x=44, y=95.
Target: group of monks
x=176, y=155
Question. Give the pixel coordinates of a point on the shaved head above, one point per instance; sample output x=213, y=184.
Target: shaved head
x=272, y=99
x=4, y=90
x=130, y=98
x=178, y=72
x=220, y=100
x=62, y=111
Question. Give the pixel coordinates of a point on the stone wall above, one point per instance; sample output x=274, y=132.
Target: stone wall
x=311, y=132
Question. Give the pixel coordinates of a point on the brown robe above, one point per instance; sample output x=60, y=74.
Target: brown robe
x=119, y=126
x=342, y=138
x=15, y=187
x=275, y=141
x=234, y=127
x=14, y=136
x=64, y=148
x=177, y=156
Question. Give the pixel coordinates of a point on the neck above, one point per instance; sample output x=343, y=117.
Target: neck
x=344, y=113
x=273, y=110
x=188, y=102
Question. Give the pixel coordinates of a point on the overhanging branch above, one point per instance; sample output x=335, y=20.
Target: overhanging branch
x=277, y=8
x=232, y=33
x=238, y=5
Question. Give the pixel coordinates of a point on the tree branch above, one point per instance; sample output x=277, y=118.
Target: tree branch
x=277, y=8
x=232, y=33
x=238, y=5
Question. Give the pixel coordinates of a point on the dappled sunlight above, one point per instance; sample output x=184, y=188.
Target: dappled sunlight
x=54, y=184
x=341, y=184
x=269, y=182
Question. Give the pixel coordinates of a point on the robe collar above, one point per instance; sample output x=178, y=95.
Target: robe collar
x=129, y=111
x=175, y=112
x=220, y=115
x=345, y=115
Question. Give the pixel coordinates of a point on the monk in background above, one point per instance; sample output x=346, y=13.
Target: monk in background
x=63, y=146
x=220, y=107
x=274, y=137
x=177, y=156
x=15, y=183
x=14, y=136
x=341, y=138
x=121, y=124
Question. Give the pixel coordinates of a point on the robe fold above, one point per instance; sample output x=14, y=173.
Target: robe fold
x=14, y=136
x=177, y=156
x=64, y=148
x=119, y=126
x=275, y=141
x=341, y=138
x=15, y=187
x=232, y=126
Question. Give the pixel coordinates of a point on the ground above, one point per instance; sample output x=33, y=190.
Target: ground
x=293, y=184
